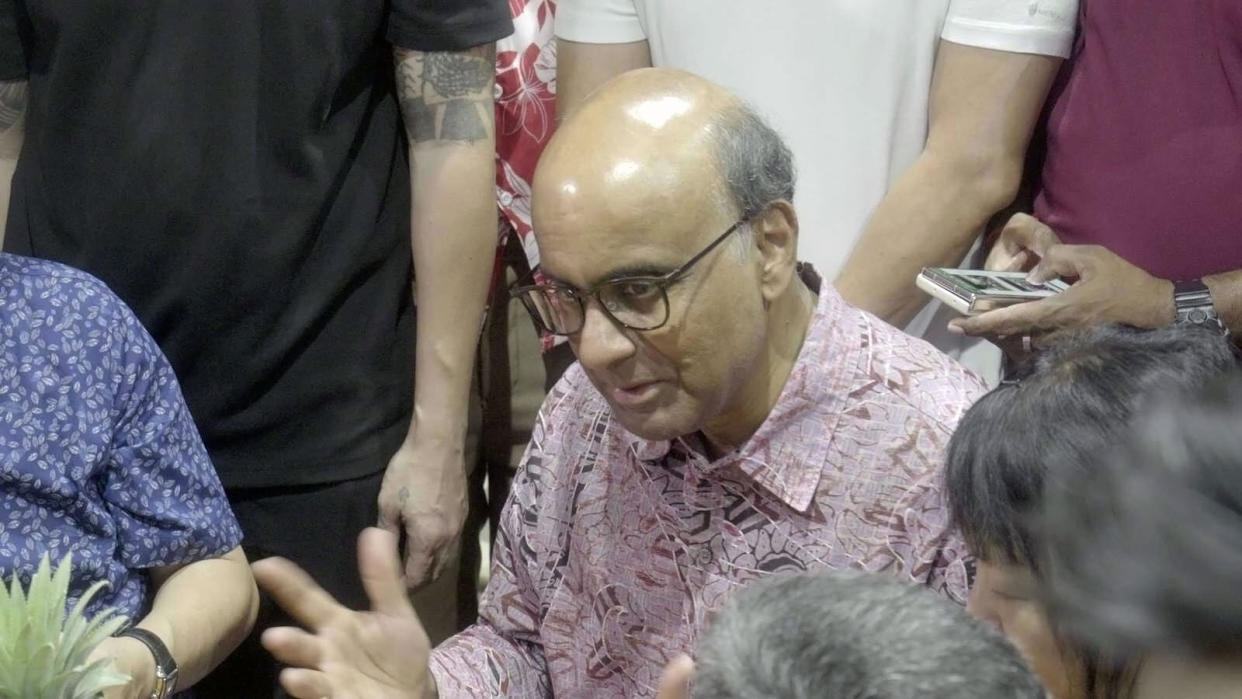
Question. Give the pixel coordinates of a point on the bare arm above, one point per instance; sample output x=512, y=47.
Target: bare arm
x=580, y=68
x=12, y=121
x=201, y=611
x=447, y=105
x=983, y=109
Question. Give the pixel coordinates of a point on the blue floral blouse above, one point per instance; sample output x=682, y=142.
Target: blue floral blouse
x=98, y=453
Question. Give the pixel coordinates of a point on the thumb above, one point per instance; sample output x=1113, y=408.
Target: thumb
x=675, y=682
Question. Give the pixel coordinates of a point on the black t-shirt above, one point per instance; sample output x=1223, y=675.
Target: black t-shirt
x=236, y=171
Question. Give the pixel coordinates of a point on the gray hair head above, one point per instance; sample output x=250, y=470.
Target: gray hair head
x=756, y=167
x=853, y=636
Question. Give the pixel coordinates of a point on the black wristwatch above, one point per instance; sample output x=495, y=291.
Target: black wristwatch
x=165, y=664
x=1194, y=307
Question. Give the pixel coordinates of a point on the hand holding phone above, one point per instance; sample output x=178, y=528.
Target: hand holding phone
x=975, y=291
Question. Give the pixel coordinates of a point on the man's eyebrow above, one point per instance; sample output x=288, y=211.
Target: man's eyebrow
x=620, y=273
x=637, y=270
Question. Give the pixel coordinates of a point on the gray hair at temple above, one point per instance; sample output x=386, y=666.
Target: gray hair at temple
x=1145, y=551
x=845, y=635
x=756, y=167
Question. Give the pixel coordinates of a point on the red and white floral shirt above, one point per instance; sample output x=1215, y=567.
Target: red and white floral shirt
x=525, y=112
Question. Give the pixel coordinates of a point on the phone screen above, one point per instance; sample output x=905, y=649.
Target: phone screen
x=989, y=284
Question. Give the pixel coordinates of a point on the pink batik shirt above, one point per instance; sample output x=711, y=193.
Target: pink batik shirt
x=613, y=550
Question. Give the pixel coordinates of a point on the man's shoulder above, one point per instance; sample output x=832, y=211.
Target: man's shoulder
x=574, y=421
x=910, y=370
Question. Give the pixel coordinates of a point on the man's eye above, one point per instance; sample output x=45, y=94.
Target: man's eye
x=637, y=290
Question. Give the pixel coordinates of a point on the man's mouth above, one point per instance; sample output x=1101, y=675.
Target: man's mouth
x=635, y=395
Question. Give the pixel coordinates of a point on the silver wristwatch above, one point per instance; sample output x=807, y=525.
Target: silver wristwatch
x=165, y=665
x=1192, y=301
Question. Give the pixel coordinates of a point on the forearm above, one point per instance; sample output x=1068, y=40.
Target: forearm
x=12, y=133
x=453, y=224
x=1226, y=291
x=982, y=110
x=929, y=219
x=202, y=611
x=454, y=250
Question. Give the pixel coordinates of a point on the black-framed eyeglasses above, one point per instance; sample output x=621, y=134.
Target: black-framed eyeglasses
x=637, y=303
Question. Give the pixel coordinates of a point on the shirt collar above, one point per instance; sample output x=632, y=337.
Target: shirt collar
x=786, y=455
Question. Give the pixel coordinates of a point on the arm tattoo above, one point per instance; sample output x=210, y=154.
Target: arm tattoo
x=12, y=103
x=447, y=96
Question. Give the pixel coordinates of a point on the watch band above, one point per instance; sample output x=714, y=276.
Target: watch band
x=1193, y=305
x=165, y=665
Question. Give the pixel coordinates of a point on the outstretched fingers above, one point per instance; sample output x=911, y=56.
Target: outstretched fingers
x=296, y=592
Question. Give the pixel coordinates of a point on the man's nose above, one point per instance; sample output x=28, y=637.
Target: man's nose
x=602, y=343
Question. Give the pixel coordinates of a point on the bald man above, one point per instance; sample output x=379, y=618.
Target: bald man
x=730, y=417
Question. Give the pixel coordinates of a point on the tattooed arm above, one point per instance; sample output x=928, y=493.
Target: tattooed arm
x=12, y=119
x=446, y=102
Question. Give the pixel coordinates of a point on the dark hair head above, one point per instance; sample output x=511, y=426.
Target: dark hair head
x=1068, y=407
x=1145, y=552
x=832, y=634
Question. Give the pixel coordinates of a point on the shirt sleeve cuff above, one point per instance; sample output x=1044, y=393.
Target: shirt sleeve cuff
x=598, y=23
x=409, y=34
x=1043, y=41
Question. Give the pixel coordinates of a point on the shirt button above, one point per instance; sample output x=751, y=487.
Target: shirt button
x=506, y=198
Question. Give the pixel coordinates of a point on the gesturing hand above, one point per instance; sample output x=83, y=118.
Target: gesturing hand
x=424, y=492
x=347, y=654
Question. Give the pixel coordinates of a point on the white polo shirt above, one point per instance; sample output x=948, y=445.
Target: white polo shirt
x=845, y=82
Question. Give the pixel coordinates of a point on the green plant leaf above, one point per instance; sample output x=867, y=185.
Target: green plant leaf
x=44, y=649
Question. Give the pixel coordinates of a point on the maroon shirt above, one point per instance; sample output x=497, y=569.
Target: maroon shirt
x=1145, y=136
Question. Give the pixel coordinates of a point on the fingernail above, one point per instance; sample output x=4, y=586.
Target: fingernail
x=955, y=329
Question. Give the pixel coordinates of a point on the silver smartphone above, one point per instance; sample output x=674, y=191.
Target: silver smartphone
x=974, y=291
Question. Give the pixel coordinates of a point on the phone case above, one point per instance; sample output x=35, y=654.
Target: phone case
x=973, y=291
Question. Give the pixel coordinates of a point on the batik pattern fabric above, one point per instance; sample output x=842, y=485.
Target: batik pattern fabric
x=613, y=550
x=99, y=456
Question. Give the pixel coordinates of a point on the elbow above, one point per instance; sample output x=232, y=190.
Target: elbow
x=243, y=605
x=988, y=181
x=251, y=605
x=250, y=594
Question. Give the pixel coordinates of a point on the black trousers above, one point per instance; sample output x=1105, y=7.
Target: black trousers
x=316, y=527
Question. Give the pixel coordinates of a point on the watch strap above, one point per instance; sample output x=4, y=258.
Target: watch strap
x=1193, y=305
x=165, y=664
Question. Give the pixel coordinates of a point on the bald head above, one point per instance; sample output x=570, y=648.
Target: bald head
x=655, y=140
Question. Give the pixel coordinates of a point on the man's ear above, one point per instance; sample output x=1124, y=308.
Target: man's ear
x=675, y=682
x=776, y=234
